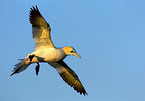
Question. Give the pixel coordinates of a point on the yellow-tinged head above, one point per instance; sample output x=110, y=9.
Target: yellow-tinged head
x=70, y=51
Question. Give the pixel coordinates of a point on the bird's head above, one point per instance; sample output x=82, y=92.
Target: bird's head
x=70, y=51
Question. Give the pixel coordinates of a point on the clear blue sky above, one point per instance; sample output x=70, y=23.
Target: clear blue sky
x=108, y=34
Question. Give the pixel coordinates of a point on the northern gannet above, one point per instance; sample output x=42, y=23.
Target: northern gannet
x=45, y=51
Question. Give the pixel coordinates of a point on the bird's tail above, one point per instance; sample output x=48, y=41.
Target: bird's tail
x=21, y=66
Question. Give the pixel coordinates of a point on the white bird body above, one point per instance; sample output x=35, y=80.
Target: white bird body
x=48, y=55
x=45, y=51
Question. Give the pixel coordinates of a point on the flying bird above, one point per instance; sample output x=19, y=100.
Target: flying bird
x=45, y=51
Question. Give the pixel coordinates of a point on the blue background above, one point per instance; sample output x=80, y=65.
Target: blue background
x=108, y=34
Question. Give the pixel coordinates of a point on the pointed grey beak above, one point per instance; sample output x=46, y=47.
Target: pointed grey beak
x=75, y=54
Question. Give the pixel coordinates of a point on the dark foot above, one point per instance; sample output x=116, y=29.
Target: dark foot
x=37, y=68
x=31, y=57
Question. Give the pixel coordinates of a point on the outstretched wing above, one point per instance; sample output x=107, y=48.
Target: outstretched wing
x=40, y=29
x=69, y=76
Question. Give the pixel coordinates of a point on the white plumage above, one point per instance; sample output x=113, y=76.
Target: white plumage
x=45, y=51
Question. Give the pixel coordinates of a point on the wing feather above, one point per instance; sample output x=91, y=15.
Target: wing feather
x=40, y=29
x=69, y=76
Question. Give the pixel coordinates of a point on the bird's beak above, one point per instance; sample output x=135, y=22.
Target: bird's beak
x=75, y=54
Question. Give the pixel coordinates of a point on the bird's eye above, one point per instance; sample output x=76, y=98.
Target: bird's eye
x=72, y=51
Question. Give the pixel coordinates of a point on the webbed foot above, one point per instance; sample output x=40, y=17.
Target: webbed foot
x=31, y=57
x=37, y=68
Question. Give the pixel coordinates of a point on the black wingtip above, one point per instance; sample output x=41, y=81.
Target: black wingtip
x=34, y=7
x=34, y=12
x=35, y=17
x=83, y=91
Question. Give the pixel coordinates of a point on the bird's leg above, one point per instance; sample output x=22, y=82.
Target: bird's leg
x=37, y=68
x=31, y=57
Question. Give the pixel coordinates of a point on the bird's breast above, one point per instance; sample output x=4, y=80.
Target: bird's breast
x=48, y=55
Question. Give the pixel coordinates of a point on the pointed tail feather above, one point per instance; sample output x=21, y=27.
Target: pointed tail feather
x=21, y=66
